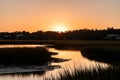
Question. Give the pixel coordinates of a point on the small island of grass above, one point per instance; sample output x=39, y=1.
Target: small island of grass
x=39, y=55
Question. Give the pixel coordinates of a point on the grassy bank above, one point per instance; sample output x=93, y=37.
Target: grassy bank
x=63, y=42
x=38, y=55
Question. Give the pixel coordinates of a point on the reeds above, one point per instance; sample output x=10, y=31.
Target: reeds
x=99, y=74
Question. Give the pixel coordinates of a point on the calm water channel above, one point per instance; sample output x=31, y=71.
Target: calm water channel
x=71, y=60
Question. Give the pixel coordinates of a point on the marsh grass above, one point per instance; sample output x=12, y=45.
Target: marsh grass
x=108, y=54
x=99, y=74
x=39, y=55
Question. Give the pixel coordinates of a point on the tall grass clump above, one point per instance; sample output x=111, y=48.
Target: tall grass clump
x=99, y=74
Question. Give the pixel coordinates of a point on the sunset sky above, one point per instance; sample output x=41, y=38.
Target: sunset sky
x=49, y=15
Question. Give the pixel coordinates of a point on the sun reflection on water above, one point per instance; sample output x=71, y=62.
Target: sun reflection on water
x=76, y=62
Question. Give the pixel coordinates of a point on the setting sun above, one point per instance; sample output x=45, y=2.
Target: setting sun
x=59, y=28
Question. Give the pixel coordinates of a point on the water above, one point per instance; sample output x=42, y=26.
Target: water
x=69, y=60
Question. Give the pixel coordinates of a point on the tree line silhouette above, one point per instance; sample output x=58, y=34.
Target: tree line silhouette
x=82, y=34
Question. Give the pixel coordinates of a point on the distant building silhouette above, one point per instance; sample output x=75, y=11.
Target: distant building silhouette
x=20, y=35
x=113, y=36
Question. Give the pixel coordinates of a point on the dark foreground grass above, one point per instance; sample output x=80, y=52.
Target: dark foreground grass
x=37, y=55
x=99, y=74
